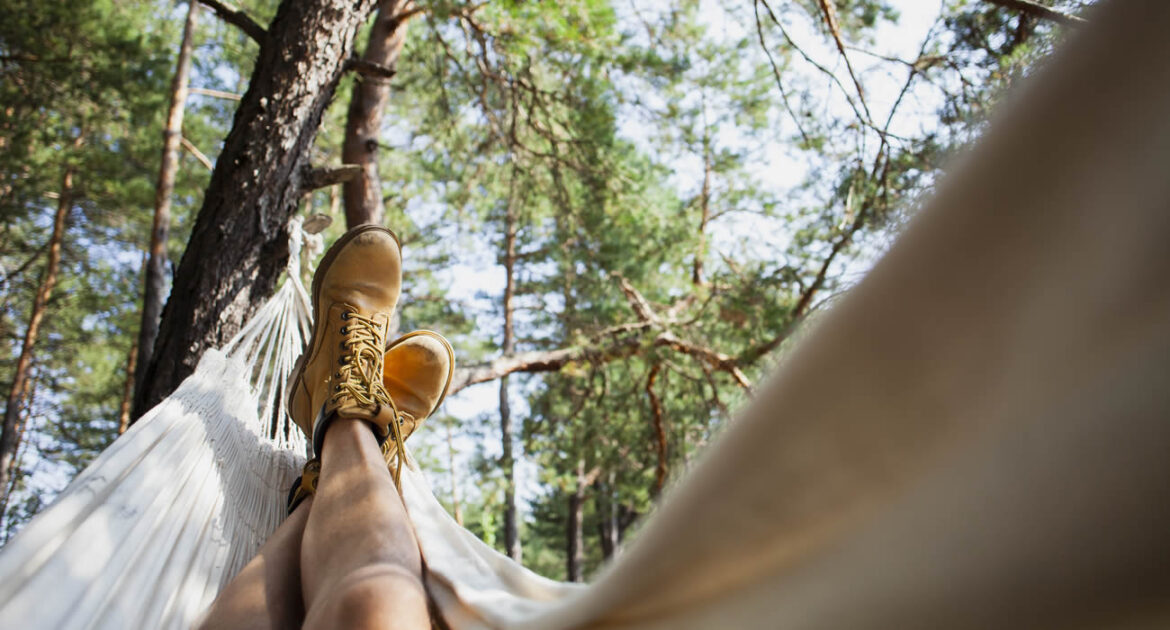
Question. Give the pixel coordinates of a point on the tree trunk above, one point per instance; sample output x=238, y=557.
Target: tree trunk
x=13, y=421
x=127, y=390
x=155, y=276
x=239, y=244
x=659, y=432
x=574, y=536
x=609, y=527
x=17, y=467
x=511, y=527
x=363, y=194
x=705, y=212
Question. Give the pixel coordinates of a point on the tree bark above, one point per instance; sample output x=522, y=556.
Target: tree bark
x=705, y=211
x=13, y=420
x=608, y=528
x=511, y=527
x=574, y=524
x=363, y=194
x=239, y=244
x=127, y=390
x=574, y=535
x=659, y=432
x=17, y=472
x=155, y=278
x=1038, y=10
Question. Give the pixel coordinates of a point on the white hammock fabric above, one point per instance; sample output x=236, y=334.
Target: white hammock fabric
x=976, y=436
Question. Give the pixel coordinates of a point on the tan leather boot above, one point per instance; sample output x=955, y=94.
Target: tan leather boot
x=355, y=290
x=416, y=373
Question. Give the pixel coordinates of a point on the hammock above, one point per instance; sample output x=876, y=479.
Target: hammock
x=976, y=436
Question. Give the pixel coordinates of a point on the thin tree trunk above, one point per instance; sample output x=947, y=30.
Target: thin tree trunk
x=9, y=437
x=363, y=194
x=574, y=536
x=511, y=527
x=127, y=390
x=609, y=526
x=239, y=244
x=155, y=276
x=18, y=465
x=705, y=217
x=659, y=431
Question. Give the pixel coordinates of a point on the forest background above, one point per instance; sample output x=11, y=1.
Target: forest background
x=621, y=213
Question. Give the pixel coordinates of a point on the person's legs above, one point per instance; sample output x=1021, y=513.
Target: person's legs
x=266, y=594
x=360, y=562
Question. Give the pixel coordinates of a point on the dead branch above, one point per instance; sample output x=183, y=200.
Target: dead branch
x=1040, y=11
x=830, y=14
x=641, y=307
x=193, y=150
x=316, y=178
x=230, y=96
x=718, y=360
x=237, y=18
x=540, y=361
x=369, y=68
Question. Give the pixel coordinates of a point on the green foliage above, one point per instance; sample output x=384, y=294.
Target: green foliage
x=84, y=85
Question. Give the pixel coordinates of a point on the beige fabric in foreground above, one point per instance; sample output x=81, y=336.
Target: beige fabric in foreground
x=978, y=436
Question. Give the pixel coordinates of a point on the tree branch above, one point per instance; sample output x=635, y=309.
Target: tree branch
x=830, y=14
x=641, y=307
x=316, y=178
x=193, y=150
x=538, y=361
x=718, y=360
x=237, y=18
x=369, y=68
x=1040, y=11
x=231, y=96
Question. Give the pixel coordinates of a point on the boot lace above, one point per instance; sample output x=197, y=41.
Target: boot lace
x=360, y=376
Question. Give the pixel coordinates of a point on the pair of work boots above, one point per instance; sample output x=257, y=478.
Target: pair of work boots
x=348, y=370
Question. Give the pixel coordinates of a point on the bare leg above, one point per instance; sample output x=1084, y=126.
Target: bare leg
x=266, y=594
x=360, y=562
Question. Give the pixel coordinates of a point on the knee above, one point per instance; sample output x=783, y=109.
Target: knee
x=379, y=596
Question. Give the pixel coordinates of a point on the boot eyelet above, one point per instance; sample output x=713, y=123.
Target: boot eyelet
x=345, y=315
x=341, y=345
x=343, y=330
x=341, y=361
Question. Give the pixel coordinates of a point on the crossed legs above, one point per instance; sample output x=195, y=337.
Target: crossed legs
x=346, y=558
